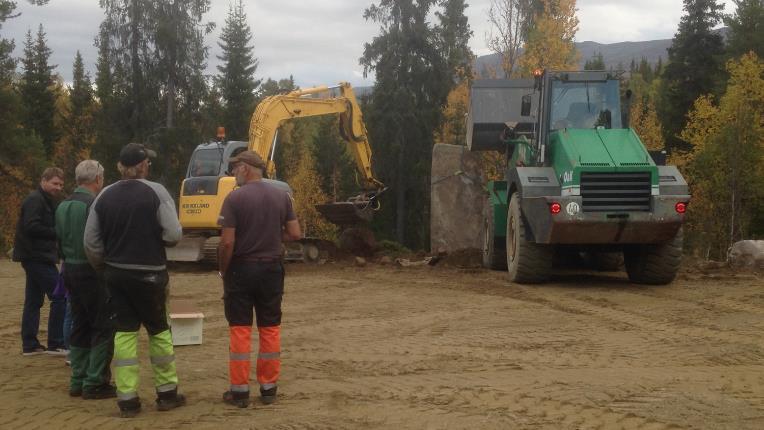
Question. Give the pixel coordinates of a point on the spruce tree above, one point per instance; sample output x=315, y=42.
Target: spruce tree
x=597, y=62
x=36, y=90
x=126, y=32
x=82, y=91
x=410, y=92
x=455, y=36
x=236, y=81
x=272, y=87
x=646, y=70
x=333, y=162
x=104, y=78
x=746, y=28
x=178, y=42
x=110, y=118
x=694, y=66
x=7, y=62
x=78, y=136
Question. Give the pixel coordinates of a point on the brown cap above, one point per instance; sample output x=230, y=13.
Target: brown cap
x=249, y=157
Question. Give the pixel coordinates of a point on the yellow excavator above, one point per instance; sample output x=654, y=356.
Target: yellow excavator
x=207, y=182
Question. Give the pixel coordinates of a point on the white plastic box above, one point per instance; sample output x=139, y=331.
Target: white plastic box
x=186, y=323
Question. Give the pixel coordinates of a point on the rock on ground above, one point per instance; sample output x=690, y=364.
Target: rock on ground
x=747, y=254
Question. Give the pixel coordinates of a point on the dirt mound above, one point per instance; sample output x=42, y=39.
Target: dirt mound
x=357, y=241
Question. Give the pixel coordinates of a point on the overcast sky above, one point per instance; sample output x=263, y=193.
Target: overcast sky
x=320, y=42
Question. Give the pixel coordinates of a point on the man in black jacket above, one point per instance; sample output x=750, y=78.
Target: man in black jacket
x=35, y=247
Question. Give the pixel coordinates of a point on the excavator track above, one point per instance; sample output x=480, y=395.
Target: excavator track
x=210, y=251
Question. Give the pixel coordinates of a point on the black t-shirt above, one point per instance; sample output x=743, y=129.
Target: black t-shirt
x=258, y=211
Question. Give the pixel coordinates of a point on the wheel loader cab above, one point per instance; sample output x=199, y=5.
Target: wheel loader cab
x=584, y=104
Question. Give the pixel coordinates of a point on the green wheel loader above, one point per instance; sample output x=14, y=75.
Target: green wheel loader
x=578, y=179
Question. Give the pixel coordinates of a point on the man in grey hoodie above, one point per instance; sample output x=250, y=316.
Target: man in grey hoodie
x=129, y=225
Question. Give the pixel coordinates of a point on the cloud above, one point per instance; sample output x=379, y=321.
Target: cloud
x=321, y=42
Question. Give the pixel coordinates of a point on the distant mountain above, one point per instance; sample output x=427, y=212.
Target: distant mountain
x=616, y=55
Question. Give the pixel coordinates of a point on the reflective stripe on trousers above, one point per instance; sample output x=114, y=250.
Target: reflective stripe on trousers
x=163, y=361
x=269, y=356
x=126, y=364
x=239, y=363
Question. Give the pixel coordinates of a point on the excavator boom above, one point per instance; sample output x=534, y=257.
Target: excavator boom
x=272, y=112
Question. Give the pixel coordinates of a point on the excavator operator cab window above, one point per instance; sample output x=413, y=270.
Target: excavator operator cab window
x=205, y=162
x=585, y=105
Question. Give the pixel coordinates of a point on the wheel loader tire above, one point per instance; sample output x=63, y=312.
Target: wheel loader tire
x=494, y=253
x=527, y=262
x=654, y=264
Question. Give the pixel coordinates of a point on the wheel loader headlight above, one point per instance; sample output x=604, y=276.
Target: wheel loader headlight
x=555, y=208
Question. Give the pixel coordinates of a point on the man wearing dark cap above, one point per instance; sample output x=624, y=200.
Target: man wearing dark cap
x=129, y=225
x=255, y=218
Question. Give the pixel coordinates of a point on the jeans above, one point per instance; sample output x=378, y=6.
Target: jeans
x=40, y=281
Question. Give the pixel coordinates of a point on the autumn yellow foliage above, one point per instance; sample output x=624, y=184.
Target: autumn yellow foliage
x=305, y=183
x=725, y=168
x=454, y=128
x=644, y=120
x=550, y=41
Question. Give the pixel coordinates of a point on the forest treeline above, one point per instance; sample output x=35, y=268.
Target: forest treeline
x=703, y=105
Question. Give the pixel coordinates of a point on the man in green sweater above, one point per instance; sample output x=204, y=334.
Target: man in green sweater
x=92, y=338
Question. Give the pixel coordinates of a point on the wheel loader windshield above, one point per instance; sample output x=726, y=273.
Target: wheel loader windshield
x=585, y=105
x=205, y=162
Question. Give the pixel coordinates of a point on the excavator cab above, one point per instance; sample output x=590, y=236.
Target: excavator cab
x=207, y=184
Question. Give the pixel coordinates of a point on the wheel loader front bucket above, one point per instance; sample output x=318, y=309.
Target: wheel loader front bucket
x=190, y=248
x=347, y=213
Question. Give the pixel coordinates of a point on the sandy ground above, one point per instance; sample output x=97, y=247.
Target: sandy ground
x=432, y=348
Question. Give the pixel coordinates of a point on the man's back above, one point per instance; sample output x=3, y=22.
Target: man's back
x=258, y=211
x=71, y=216
x=135, y=219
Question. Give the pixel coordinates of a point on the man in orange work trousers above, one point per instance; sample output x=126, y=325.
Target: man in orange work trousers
x=255, y=219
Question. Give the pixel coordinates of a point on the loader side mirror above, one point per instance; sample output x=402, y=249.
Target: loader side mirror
x=525, y=105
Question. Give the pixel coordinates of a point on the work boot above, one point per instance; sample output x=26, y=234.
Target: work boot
x=104, y=391
x=268, y=396
x=170, y=400
x=129, y=408
x=235, y=398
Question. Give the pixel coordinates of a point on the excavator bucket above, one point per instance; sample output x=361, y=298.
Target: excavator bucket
x=347, y=213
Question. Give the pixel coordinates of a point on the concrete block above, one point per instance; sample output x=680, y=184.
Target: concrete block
x=457, y=199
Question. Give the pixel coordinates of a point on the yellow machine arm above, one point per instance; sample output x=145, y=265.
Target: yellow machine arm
x=274, y=110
